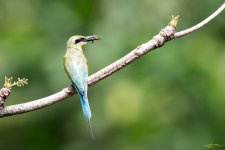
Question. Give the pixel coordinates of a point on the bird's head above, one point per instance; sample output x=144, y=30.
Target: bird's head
x=78, y=41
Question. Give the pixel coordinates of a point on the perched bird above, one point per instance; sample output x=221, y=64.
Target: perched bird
x=75, y=65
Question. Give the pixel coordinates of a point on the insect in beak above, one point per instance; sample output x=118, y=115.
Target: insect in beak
x=92, y=38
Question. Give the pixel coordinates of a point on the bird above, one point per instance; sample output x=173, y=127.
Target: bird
x=76, y=68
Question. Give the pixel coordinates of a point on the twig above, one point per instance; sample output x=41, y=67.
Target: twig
x=201, y=24
x=165, y=35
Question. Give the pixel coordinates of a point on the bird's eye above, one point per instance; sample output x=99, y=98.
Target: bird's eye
x=79, y=40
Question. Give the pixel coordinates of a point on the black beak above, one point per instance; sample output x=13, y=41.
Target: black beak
x=92, y=38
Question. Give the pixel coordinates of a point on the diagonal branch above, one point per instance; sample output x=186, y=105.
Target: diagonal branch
x=166, y=34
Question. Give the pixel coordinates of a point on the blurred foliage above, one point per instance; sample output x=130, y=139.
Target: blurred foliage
x=172, y=98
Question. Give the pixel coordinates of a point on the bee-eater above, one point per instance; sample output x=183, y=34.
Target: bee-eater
x=75, y=65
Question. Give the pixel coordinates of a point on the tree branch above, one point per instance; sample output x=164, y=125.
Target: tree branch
x=164, y=35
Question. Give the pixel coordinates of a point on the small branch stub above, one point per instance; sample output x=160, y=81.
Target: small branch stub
x=6, y=90
x=173, y=22
x=167, y=33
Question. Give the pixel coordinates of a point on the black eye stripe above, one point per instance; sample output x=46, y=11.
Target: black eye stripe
x=79, y=40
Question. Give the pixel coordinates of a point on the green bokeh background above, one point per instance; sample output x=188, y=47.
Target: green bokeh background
x=172, y=98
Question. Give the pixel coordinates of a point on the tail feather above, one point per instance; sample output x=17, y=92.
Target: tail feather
x=90, y=128
x=86, y=111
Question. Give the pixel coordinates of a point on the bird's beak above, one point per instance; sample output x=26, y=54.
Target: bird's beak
x=92, y=38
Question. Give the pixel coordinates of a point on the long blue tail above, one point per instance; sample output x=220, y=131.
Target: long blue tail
x=86, y=111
